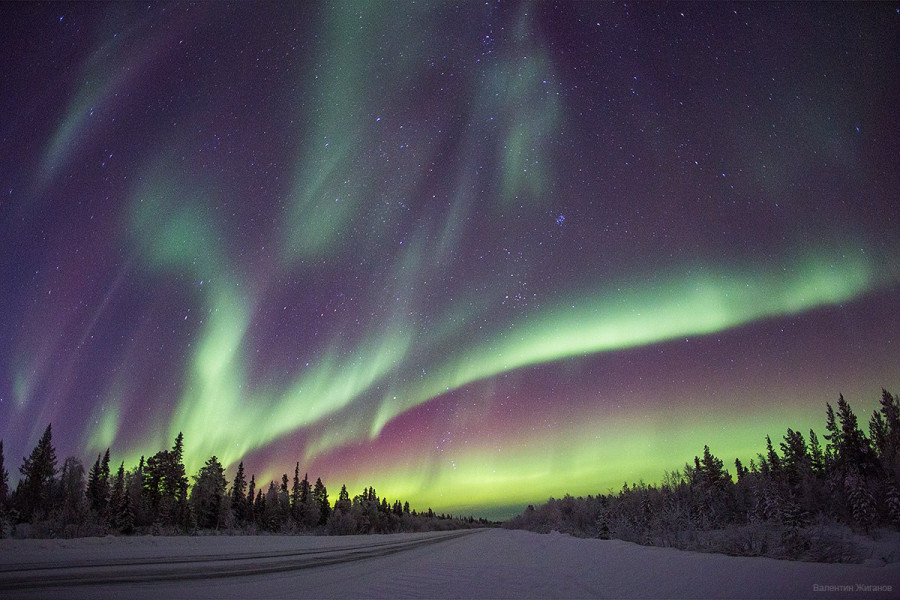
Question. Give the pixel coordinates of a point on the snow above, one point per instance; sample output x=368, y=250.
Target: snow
x=493, y=563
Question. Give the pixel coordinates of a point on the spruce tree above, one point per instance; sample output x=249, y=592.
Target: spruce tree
x=71, y=491
x=296, y=497
x=117, y=497
x=795, y=461
x=259, y=506
x=93, y=485
x=878, y=433
x=890, y=451
x=177, y=485
x=862, y=504
x=252, y=513
x=310, y=508
x=104, y=474
x=134, y=489
x=711, y=469
x=126, y=515
x=343, y=502
x=4, y=483
x=321, y=498
x=159, y=504
x=98, y=487
x=772, y=459
x=4, y=494
x=166, y=487
x=208, y=495
x=816, y=457
x=271, y=508
x=284, y=500
x=38, y=476
x=179, y=479
x=304, y=489
x=832, y=435
x=239, y=495
x=892, y=500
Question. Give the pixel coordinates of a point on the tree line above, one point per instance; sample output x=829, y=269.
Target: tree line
x=157, y=497
x=796, y=499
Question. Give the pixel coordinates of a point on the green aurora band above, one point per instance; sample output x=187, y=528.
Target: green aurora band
x=354, y=388
x=335, y=402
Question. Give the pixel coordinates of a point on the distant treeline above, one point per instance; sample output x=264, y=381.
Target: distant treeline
x=803, y=502
x=156, y=497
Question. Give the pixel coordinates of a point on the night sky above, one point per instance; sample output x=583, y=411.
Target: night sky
x=472, y=254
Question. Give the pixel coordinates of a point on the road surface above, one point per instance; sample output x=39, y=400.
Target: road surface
x=462, y=564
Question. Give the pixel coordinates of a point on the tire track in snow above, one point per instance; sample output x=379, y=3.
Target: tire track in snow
x=150, y=570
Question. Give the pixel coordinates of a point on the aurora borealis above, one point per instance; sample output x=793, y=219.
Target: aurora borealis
x=472, y=254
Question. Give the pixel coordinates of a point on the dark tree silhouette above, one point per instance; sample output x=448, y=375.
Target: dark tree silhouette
x=98, y=491
x=117, y=497
x=166, y=486
x=38, y=476
x=134, y=487
x=251, y=500
x=320, y=496
x=296, y=497
x=239, y=495
x=791, y=505
x=208, y=495
x=4, y=488
x=71, y=493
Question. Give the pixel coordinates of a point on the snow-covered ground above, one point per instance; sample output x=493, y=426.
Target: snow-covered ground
x=481, y=564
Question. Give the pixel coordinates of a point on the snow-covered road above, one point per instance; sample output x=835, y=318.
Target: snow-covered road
x=479, y=564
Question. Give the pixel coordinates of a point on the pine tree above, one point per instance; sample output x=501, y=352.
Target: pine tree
x=320, y=495
x=157, y=497
x=862, y=503
x=772, y=459
x=252, y=513
x=892, y=500
x=117, y=497
x=310, y=508
x=104, y=477
x=71, y=493
x=178, y=483
x=284, y=500
x=296, y=496
x=176, y=486
x=98, y=491
x=134, y=489
x=259, y=506
x=95, y=494
x=304, y=488
x=239, y=495
x=854, y=450
x=38, y=476
x=795, y=461
x=890, y=450
x=4, y=486
x=271, y=508
x=126, y=516
x=711, y=469
x=343, y=502
x=816, y=457
x=166, y=487
x=208, y=495
x=833, y=435
x=878, y=433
